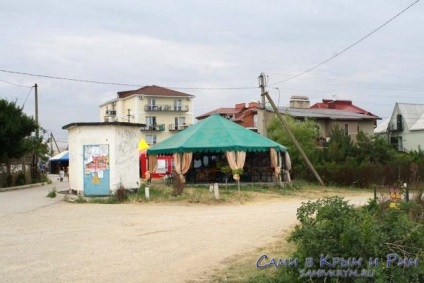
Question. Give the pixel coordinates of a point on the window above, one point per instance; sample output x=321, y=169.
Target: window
x=177, y=105
x=151, y=139
x=162, y=166
x=179, y=121
x=255, y=120
x=346, y=129
x=150, y=121
x=399, y=122
x=151, y=102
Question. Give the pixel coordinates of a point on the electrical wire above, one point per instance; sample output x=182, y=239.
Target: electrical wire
x=353, y=83
x=23, y=105
x=120, y=84
x=66, y=79
x=15, y=84
x=218, y=88
x=349, y=47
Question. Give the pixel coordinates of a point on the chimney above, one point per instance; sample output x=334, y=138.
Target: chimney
x=254, y=104
x=240, y=105
x=297, y=101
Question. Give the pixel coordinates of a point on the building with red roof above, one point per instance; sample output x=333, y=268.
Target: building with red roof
x=242, y=114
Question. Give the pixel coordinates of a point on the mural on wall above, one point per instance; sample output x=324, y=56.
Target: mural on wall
x=96, y=169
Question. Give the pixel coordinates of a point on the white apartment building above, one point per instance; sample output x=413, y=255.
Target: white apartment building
x=161, y=111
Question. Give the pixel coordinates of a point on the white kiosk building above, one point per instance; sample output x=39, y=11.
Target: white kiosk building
x=103, y=157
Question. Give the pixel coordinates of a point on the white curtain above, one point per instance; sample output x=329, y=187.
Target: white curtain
x=182, y=164
x=236, y=161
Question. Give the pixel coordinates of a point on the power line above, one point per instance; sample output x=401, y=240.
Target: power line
x=23, y=105
x=353, y=83
x=66, y=79
x=119, y=84
x=15, y=84
x=349, y=47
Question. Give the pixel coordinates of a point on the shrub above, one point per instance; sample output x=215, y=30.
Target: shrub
x=178, y=185
x=332, y=227
x=20, y=179
x=121, y=194
x=52, y=193
x=9, y=180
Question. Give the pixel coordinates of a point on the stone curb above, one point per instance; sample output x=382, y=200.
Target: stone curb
x=23, y=187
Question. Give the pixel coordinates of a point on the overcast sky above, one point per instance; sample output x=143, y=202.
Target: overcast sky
x=205, y=48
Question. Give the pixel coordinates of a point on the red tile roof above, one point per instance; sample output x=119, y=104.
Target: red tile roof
x=221, y=111
x=153, y=91
x=345, y=105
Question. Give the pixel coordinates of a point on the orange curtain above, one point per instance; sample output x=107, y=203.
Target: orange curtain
x=152, y=165
x=182, y=164
x=274, y=162
x=236, y=161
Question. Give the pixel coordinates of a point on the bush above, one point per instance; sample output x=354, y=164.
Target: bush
x=121, y=194
x=20, y=179
x=52, y=193
x=332, y=227
x=9, y=180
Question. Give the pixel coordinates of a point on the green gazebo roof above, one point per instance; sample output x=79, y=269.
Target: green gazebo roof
x=215, y=134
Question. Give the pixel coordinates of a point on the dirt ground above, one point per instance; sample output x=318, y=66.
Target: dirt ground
x=68, y=242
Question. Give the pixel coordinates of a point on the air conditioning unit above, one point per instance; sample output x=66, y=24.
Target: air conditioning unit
x=106, y=119
x=141, y=97
x=188, y=98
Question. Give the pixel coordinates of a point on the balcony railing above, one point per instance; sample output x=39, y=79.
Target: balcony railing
x=165, y=107
x=177, y=127
x=157, y=127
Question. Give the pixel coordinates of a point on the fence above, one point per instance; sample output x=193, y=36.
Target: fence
x=395, y=194
x=19, y=172
x=366, y=175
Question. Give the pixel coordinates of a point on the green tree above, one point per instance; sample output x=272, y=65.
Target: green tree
x=372, y=149
x=339, y=147
x=15, y=129
x=15, y=137
x=305, y=133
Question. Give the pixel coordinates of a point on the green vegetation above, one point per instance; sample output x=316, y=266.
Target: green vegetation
x=332, y=227
x=16, y=139
x=52, y=193
x=341, y=162
x=16, y=131
x=199, y=194
x=20, y=179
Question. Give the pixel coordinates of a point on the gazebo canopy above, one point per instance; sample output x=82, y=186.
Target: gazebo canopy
x=215, y=134
x=63, y=156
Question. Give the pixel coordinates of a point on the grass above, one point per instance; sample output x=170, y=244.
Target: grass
x=200, y=194
x=52, y=193
x=242, y=268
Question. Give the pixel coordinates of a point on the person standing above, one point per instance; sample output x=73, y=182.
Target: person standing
x=61, y=174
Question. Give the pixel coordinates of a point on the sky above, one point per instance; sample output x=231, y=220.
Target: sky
x=212, y=49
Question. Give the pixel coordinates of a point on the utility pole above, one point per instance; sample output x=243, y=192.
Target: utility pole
x=262, y=83
x=37, y=130
x=51, y=144
x=37, y=134
x=296, y=143
x=57, y=147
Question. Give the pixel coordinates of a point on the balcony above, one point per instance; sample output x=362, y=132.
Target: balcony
x=165, y=107
x=157, y=127
x=177, y=127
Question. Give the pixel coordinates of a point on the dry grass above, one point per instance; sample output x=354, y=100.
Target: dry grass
x=241, y=268
x=200, y=194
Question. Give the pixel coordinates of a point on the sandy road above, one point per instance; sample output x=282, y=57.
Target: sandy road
x=66, y=242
